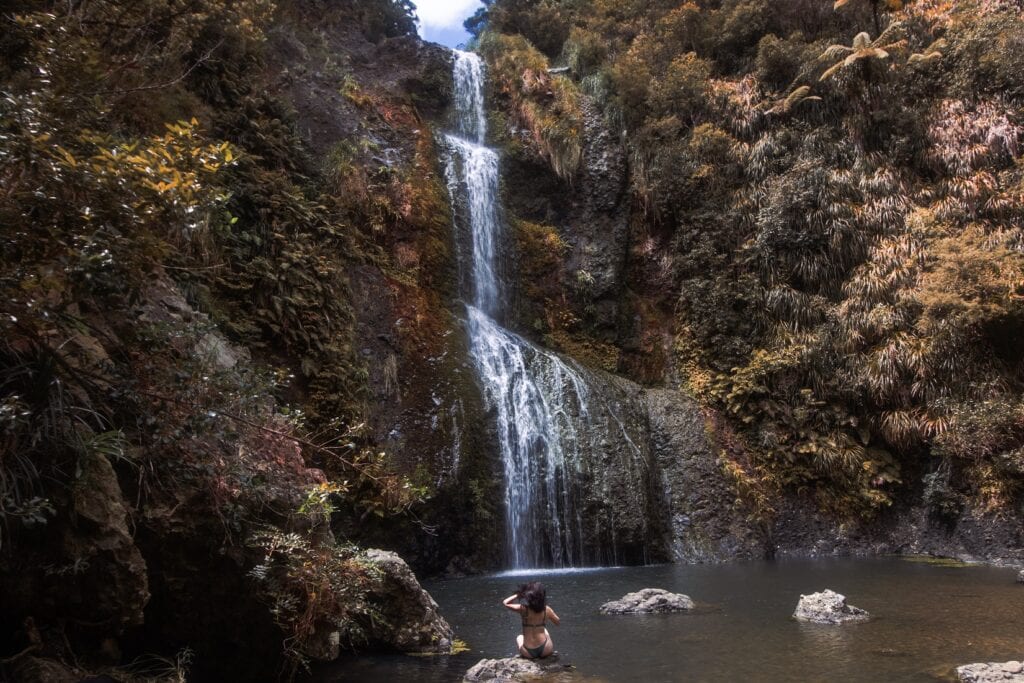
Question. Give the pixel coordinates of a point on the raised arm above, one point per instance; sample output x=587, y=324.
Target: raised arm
x=512, y=602
x=552, y=616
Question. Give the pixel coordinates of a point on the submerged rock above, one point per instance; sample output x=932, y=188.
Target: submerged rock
x=407, y=617
x=991, y=672
x=512, y=669
x=1020, y=576
x=648, y=601
x=827, y=607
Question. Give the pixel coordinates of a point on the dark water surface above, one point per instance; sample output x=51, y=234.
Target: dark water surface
x=926, y=620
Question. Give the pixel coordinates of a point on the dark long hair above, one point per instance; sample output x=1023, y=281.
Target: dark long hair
x=533, y=595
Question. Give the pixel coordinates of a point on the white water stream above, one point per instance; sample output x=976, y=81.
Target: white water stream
x=542, y=404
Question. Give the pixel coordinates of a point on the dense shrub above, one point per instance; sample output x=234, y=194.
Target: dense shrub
x=547, y=106
x=156, y=204
x=834, y=194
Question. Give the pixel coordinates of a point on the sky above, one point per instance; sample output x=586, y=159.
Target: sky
x=441, y=20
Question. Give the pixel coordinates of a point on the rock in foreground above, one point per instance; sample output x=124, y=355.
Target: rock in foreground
x=648, y=601
x=827, y=607
x=512, y=669
x=408, y=619
x=991, y=672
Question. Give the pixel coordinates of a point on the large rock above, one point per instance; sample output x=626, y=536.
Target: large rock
x=597, y=229
x=616, y=484
x=827, y=607
x=648, y=601
x=991, y=672
x=706, y=525
x=513, y=669
x=1020, y=576
x=408, y=619
x=112, y=583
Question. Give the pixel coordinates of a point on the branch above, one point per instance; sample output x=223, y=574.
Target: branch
x=159, y=86
x=14, y=658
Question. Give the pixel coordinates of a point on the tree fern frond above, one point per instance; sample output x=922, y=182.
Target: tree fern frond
x=834, y=51
x=832, y=71
x=862, y=41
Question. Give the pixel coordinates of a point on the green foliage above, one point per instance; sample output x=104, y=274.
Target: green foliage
x=549, y=107
x=683, y=89
x=836, y=221
x=778, y=60
x=174, y=291
x=861, y=52
x=544, y=23
x=386, y=18
x=311, y=588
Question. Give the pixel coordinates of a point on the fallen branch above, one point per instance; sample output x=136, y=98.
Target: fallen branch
x=13, y=658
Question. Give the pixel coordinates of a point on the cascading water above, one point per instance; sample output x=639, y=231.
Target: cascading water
x=546, y=416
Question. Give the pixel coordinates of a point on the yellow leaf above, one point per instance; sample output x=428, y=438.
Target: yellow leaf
x=67, y=156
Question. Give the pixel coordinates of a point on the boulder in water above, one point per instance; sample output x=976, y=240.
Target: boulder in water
x=991, y=672
x=648, y=601
x=827, y=607
x=1020, y=576
x=512, y=669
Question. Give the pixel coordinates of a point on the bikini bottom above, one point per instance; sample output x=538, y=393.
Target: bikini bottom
x=537, y=652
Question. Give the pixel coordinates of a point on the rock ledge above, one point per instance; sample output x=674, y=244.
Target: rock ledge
x=827, y=607
x=409, y=619
x=648, y=601
x=991, y=672
x=514, y=669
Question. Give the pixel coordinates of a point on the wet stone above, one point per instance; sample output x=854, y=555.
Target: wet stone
x=648, y=601
x=991, y=672
x=827, y=607
x=511, y=669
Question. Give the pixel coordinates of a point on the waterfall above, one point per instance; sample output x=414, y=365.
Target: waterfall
x=547, y=419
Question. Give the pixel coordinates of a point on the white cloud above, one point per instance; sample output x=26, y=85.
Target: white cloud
x=444, y=13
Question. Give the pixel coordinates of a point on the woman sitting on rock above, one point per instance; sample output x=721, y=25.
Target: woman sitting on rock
x=530, y=602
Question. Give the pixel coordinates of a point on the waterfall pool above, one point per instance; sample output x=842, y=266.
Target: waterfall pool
x=927, y=618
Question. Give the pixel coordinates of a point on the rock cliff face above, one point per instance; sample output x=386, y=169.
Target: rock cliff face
x=590, y=214
x=596, y=225
x=705, y=524
x=422, y=405
x=588, y=289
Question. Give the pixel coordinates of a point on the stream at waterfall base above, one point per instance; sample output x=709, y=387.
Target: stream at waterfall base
x=927, y=618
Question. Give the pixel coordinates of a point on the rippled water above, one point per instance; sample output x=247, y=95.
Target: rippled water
x=926, y=620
